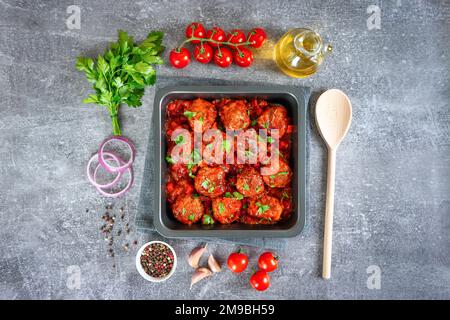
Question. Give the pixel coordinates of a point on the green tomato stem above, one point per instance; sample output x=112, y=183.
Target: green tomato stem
x=202, y=40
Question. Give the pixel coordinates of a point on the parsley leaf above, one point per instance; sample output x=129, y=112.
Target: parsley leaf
x=179, y=139
x=221, y=207
x=120, y=75
x=238, y=196
x=191, y=217
x=170, y=160
x=207, y=219
x=262, y=207
x=246, y=187
x=189, y=114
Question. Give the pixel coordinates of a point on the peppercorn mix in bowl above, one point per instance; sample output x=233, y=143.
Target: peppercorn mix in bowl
x=156, y=261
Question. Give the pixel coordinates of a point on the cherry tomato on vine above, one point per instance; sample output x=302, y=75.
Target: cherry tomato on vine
x=243, y=57
x=203, y=54
x=237, y=262
x=260, y=280
x=257, y=37
x=236, y=36
x=179, y=58
x=197, y=30
x=268, y=262
x=223, y=57
x=216, y=34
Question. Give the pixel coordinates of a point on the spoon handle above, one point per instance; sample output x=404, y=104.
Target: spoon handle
x=328, y=230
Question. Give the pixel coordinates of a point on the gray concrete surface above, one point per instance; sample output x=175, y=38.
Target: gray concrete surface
x=393, y=173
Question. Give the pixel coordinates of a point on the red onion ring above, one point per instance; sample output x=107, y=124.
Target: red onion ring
x=93, y=179
x=120, y=168
x=121, y=192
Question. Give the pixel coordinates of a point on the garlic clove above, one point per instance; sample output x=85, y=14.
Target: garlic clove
x=213, y=264
x=200, y=274
x=195, y=255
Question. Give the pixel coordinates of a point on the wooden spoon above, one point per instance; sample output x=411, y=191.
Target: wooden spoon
x=333, y=118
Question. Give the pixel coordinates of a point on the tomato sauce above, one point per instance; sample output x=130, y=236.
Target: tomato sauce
x=227, y=192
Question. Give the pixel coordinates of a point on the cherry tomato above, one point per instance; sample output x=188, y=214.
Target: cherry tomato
x=268, y=262
x=203, y=54
x=257, y=37
x=243, y=57
x=237, y=262
x=223, y=57
x=197, y=30
x=179, y=58
x=236, y=36
x=216, y=34
x=260, y=280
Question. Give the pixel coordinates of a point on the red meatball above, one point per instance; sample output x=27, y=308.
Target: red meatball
x=202, y=111
x=274, y=118
x=226, y=210
x=235, y=116
x=265, y=207
x=175, y=189
x=210, y=181
x=281, y=177
x=188, y=209
x=249, y=182
x=285, y=197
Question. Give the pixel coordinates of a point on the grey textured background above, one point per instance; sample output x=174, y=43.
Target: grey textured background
x=393, y=173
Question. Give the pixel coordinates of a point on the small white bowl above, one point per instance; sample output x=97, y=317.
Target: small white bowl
x=140, y=269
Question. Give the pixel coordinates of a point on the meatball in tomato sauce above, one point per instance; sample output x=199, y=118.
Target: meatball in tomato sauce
x=176, y=189
x=249, y=182
x=235, y=115
x=278, y=178
x=210, y=181
x=201, y=111
x=188, y=209
x=274, y=118
x=226, y=210
x=265, y=207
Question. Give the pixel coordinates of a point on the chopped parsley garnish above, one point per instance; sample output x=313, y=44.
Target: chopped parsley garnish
x=207, y=219
x=170, y=160
x=254, y=122
x=246, y=187
x=191, y=217
x=262, y=207
x=269, y=139
x=201, y=119
x=238, y=196
x=281, y=173
x=226, y=146
x=248, y=153
x=221, y=207
x=189, y=114
x=179, y=139
x=205, y=184
x=266, y=125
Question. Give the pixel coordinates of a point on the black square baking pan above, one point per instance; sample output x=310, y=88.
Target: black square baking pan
x=295, y=100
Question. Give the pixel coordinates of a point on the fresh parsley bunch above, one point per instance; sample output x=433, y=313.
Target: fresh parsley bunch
x=121, y=74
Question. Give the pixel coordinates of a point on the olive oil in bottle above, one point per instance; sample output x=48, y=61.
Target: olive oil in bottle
x=300, y=52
